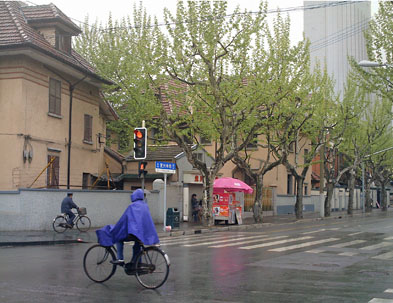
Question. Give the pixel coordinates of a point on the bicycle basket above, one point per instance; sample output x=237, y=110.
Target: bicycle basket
x=82, y=211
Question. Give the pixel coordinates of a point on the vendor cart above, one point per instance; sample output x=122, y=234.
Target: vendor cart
x=228, y=200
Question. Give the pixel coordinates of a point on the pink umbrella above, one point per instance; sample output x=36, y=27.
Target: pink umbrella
x=231, y=185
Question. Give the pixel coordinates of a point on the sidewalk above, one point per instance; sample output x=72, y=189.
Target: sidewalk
x=23, y=238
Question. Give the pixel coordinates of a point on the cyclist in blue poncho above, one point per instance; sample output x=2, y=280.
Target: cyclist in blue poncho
x=136, y=222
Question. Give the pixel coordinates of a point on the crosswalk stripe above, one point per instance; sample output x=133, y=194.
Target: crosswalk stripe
x=377, y=300
x=348, y=254
x=354, y=234
x=280, y=249
x=346, y=244
x=315, y=251
x=385, y=256
x=376, y=246
x=248, y=241
x=389, y=290
x=185, y=239
x=313, y=232
x=223, y=241
x=275, y=243
x=388, y=238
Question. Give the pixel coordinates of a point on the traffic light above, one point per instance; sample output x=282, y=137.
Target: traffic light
x=142, y=168
x=140, y=143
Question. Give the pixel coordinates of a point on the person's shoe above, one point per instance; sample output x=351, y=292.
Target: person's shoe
x=117, y=262
x=69, y=225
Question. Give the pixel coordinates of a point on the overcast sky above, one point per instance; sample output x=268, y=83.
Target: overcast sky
x=77, y=10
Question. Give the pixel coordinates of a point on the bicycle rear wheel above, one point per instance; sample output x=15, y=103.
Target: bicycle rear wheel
x=83, y=223
x=59, y=224
x=96, y=263
x=152, y=267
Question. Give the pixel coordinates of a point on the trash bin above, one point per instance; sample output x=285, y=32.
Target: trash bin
x=173, y=217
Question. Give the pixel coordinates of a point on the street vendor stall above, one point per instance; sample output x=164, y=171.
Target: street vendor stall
x=228, y=206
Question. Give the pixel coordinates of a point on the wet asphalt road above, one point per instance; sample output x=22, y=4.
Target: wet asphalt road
x=347, y=260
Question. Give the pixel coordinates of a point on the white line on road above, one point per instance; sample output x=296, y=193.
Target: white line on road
x=313, y=232
x=388, y=238
x=223, y=241
x=315, y=251
x=346, y=244
x=385, y=256
x=303, y=245
x=348, y=254
x=389, y=290
x=376, y=300
x=376, y=246
x=249, y=241
x=354, y=234
x=275, y=243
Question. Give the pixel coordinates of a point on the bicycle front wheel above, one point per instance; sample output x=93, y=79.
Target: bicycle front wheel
x=83, y=223
x=96, y=263
x=152, y=267
x=59, y=224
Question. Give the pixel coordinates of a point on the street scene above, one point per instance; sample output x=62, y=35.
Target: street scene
x=196, y=151
x=335, y=260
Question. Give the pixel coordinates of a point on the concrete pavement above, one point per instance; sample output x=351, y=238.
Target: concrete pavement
x=23, y=238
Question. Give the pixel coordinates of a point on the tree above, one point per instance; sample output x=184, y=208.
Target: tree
x=279, y=76
x=114, y=50
x=207, y=55
x=379, y=44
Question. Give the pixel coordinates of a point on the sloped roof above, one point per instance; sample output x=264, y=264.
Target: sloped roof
x=17, y=32
x=159, y=153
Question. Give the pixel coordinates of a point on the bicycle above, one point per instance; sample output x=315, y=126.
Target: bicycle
x=151, y=268
x=81, y=221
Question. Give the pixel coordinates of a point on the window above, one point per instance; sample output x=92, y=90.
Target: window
x=306, y=189
x=254, y=142
x=87, y=138
x=290, y=184
x=205, y=140
x=85, y=180
x=54, y=96
x=52, y=172
x=292, y=147
x=63, y=42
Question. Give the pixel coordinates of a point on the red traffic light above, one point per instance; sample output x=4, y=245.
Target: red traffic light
x=140, y=143
x=138, y=134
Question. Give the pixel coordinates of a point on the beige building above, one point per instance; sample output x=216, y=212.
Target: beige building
x=42, y=80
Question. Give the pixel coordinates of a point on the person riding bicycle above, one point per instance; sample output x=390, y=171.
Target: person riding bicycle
x=66, y=205
x=135, y=224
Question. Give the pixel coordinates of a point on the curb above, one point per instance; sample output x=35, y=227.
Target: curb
x=43, y=242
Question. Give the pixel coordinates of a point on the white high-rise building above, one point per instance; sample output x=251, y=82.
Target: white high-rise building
x=335, y=30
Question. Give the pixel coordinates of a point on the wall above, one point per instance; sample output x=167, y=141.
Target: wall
x=34, y=209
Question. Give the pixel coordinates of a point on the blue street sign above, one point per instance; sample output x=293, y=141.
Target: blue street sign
x=165, y=167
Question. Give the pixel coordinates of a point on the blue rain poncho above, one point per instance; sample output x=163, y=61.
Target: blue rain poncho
x=136, y=220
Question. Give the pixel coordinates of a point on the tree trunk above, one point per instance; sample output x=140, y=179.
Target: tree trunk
x=384, y=204
x=368, y=197
x=258, y=199
x=351, y=188
x=299, y=198
x=328, y=199
x=208, y=181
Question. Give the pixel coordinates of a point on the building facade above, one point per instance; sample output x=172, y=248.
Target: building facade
x=52, y=115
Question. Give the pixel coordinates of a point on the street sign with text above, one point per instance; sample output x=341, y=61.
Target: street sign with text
x=165, y=167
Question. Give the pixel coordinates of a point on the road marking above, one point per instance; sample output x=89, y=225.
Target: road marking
x=313, y=232
x=341, y=245
x=246, y=242
x=315, y=251
x=388, y=238
x=354, y=234
x=348, y=254
x=275, y=243
x=222, y=241
x=376, y=246
x=376, y=300
x=389, y=290
x=385, y=256
x=187, y=239
x=280, y=249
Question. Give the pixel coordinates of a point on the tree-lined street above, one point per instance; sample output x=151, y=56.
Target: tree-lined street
x=343, y=260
